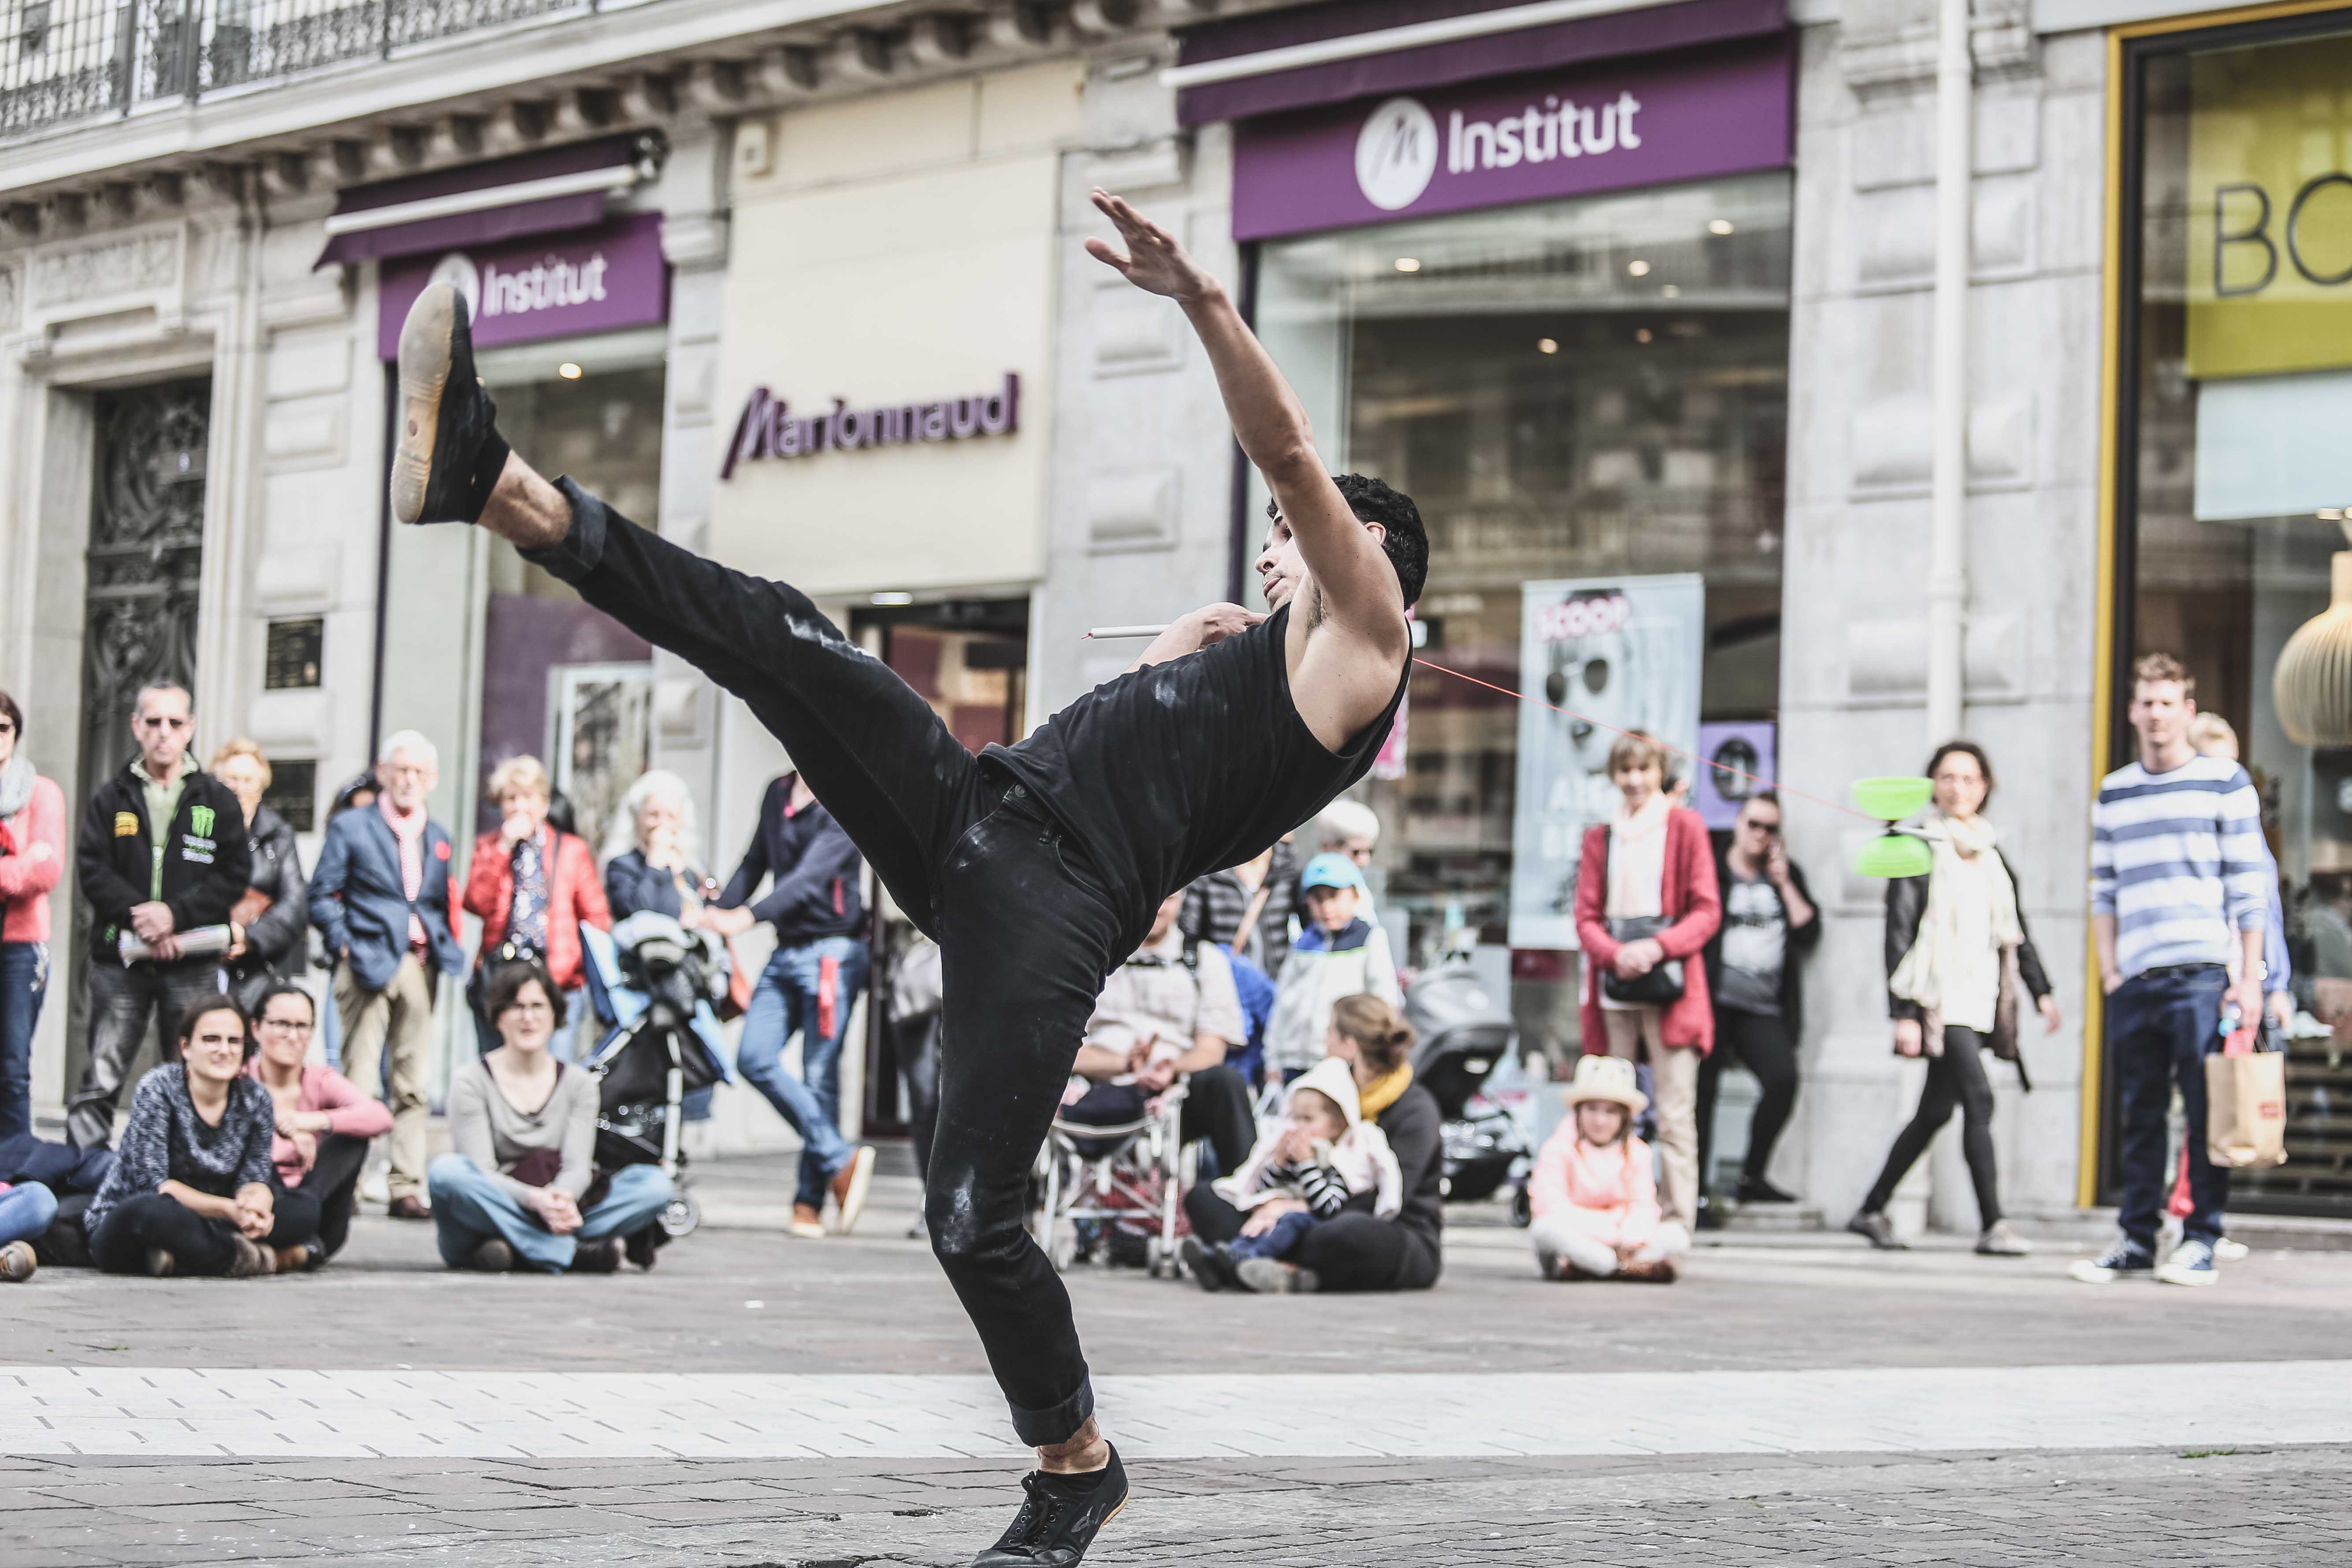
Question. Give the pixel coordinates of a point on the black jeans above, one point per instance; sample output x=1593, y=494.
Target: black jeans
x=122, y=998
x=330, y=1181
x=1028, y=926
x=1956, y=1078
x=1761, y=1043
x=2161, y=1027
x=198, y=1244
x=1350, y=1251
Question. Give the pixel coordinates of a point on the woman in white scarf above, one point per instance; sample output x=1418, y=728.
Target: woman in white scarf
x=1954, y=939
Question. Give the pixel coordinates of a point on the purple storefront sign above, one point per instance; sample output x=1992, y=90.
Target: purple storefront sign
x=556, y=286
x=1565, y=132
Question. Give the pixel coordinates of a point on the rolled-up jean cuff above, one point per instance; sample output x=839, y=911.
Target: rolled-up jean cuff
x=1058, y=1423
x=580, y=549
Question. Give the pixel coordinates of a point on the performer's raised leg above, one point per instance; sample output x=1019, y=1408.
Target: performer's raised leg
x=873, y=751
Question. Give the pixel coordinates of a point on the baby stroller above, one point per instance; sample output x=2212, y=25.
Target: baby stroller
x=1121, y=1183
x=653, y=983
x=1464, y=1034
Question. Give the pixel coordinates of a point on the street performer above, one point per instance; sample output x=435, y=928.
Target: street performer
x=1036, y=867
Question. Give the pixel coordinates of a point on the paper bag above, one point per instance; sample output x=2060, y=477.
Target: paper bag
x=2245, y=1110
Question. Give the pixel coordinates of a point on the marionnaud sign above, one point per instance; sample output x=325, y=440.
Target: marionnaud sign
x=769, y=428
x=1563, y=133
x=549, y=285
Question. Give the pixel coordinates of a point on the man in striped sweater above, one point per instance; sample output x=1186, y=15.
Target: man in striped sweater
x=2178, y=902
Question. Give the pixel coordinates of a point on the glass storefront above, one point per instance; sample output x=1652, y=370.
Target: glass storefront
x=2233, y=474
x=1574, y=389
x=561, y=681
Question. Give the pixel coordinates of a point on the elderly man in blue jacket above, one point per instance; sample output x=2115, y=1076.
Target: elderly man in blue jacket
x=809, y=987
x=382, y=899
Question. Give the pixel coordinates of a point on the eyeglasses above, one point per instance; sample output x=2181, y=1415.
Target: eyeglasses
x=291, y=1025
x=529, y=1007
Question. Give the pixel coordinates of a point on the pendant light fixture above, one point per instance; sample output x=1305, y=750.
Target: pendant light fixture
x=2312, y=686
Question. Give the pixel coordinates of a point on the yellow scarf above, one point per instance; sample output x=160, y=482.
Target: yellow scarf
x=1377, y=1096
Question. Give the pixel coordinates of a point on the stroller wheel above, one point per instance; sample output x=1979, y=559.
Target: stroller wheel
x=1156, y=1259
x=1523, y=1213
x=681, y=1214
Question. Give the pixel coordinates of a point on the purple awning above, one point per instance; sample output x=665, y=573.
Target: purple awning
x=480, y=203
x=1420, y=67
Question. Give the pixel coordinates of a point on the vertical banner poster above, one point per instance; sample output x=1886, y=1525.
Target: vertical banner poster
x=1618, y=653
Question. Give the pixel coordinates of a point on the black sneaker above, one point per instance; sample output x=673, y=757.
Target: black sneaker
x=2124, y=1260
x=1757, y=1190
x=449, y=454
x=1060, y=1518
x=1211, y=1266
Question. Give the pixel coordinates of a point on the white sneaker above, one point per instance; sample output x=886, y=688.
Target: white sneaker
x=2227, y=1251
x=2191, y=1263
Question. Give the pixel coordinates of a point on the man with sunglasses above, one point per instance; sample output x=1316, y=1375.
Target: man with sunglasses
x=162, y=852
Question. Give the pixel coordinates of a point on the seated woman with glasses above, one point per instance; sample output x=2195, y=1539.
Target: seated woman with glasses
x=191, y=1189
x=325, y=1122
x=517, y=1193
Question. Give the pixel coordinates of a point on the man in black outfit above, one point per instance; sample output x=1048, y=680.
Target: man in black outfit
x=1038, y=866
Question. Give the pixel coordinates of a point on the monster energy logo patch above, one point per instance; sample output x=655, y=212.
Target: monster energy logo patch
x=200, y=821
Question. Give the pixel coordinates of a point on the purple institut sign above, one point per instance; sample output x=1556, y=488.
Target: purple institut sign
x=553, y=286
x=1567, y=132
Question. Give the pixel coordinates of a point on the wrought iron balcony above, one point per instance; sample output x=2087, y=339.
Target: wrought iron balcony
x=68, y=61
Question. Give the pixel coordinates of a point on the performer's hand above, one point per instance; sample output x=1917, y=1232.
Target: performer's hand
x=1154, y=262
x=2052, y=1020
x=1907, y=1041
x=1215, y=623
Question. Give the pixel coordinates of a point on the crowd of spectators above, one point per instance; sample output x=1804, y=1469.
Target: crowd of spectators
x=1269, y=992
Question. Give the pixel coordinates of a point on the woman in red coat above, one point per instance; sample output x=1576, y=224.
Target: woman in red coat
x=532, y=887
x=1646, y=903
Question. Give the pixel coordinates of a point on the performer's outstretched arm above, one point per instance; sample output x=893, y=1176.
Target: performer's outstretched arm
x=1359, y=585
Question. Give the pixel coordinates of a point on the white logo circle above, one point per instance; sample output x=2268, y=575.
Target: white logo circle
x=1396, y=154
x=457, y=269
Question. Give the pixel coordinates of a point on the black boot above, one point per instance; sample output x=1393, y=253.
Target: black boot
x=1060, y=1518
x=449, y=454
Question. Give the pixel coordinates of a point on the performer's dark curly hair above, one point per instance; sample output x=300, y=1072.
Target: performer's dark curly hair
x=1407, y=542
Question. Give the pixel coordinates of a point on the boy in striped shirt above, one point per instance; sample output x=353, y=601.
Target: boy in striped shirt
x=2178, y=901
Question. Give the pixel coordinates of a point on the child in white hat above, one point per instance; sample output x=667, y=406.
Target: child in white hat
x=1595, y=1191
x=1323, y=1154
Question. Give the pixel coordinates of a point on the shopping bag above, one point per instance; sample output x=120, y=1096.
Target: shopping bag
x=2245, y=1110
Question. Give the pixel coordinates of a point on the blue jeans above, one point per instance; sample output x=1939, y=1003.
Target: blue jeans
x=469, y=1207
x=24, y=980
x=2160, y=1027
x=25, y=1211
x=784, y=1004
x=1288, y=1231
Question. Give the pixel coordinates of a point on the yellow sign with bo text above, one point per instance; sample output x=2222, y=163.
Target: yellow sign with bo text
x=2269, y=209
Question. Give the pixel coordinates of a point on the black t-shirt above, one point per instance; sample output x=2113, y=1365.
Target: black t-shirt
x=1172, y=771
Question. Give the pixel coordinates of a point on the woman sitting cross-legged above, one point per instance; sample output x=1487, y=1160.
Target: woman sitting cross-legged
x=517, y=1193
x=324, y=1123
x=190, y=1192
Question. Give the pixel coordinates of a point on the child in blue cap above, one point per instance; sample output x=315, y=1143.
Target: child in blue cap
x=1339, y=954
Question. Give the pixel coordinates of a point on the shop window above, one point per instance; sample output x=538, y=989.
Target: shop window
x=2233, y=479
x=291, y=659
x=1591, y=388
x=560, y=681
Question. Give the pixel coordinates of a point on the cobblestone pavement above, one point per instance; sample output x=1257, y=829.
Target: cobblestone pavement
x=1803, y=1402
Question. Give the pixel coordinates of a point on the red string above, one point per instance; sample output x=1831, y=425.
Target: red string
x=1661, y=745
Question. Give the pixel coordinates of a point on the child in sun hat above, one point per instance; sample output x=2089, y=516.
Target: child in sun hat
x=1595, y=1192
x=1340, y=953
